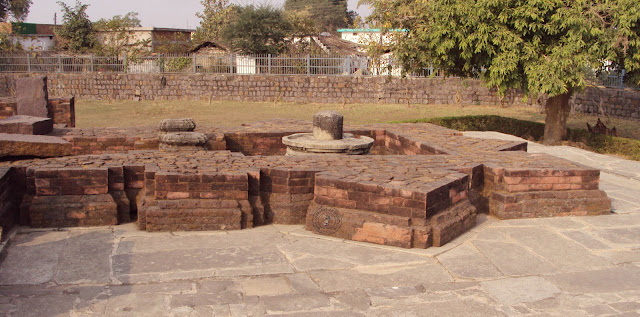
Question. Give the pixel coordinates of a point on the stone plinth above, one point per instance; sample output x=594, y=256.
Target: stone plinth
x=26, y=125
x=306, y=143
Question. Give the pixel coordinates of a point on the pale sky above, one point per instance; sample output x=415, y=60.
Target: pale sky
x=158, y=13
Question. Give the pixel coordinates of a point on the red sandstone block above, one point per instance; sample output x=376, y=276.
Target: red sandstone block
x=337, y=193
x=301, y=174
x=370, y=187
x=324, y=182
x=279, y=188
x=380, y=200
x=95, y=190
x=345, y=203
x=414, y=204
x=177, y=195
x=400, y=211
x=42, y=182
x=298, y=182
x=322, y=191
x=561, y=186
x=54, y=191
x=198, y=187
x=341, y=184
x=275, y=180
x=139, y=184
x=165, y=178
x=274, y=172
x=323, y=200
x=397, y=201
x=76, y=215
x=300, y=189
x=190, y=178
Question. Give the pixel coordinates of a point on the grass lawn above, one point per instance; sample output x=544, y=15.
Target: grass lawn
x=104, y=113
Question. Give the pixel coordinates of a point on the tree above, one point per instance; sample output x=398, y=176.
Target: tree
x=626, y=38
x=540, y=47
x=16, y=9
x=76, y=33
x=328, y=15
x=215, y=16
x=115, y=35
x=257, y=30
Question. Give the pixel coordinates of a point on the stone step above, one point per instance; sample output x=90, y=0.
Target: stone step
x=16, y=145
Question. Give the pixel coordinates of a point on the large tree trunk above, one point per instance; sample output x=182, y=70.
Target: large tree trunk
x=557, y=108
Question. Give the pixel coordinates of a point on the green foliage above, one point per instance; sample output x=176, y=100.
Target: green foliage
x=522, y=128
x=625, y=21
x=530, y=130
x=15, y=9
x=328, y=15
x=214, y=17
x=257, y=30
x=178, y=64
x=76, y=33
x=600, y=143
x=116, y=39
x=539, y=46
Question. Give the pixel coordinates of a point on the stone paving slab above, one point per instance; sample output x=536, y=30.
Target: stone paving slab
x=572, y=266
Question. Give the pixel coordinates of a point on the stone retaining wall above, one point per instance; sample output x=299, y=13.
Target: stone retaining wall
x=329, y=89
x=621, y=103
x=287, y=88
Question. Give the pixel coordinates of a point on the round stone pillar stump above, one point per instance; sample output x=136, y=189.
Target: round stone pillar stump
x=327, y=125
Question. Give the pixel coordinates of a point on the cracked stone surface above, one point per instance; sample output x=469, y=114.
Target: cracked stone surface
x=573, y=266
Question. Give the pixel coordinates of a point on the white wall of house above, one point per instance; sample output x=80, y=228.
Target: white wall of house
x=366, y=36
x=35, y=42
x=245, y=65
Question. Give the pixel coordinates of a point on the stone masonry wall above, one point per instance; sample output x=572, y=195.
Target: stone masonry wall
x=329, y=89
x=288, y=88
x=621, y=103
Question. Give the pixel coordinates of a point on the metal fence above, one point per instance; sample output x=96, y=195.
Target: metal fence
x=48, y=62
x=45, y=62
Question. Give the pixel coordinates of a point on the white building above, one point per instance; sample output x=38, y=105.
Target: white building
x=366, y=37
x=31, y=36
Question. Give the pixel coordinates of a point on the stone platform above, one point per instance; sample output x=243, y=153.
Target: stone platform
x=422, y=187
x=26, y=125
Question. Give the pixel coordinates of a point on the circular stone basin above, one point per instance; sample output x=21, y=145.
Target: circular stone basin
x=305, y=143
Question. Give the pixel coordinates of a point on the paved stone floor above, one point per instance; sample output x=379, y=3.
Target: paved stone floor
x=576, y=266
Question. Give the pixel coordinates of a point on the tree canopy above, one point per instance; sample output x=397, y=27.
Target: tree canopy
x=16, y=9
x=540, y=47
x=216, y=14
x=257, y=30
x=328, y=15
x=76, y=33
x=116, y=36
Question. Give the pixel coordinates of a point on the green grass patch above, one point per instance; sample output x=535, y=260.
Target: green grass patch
x=534, y=131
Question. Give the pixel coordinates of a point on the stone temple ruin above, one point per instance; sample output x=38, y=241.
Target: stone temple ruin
x=421, y=185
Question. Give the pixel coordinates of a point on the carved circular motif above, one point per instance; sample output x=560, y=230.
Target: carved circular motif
x=327, y=220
